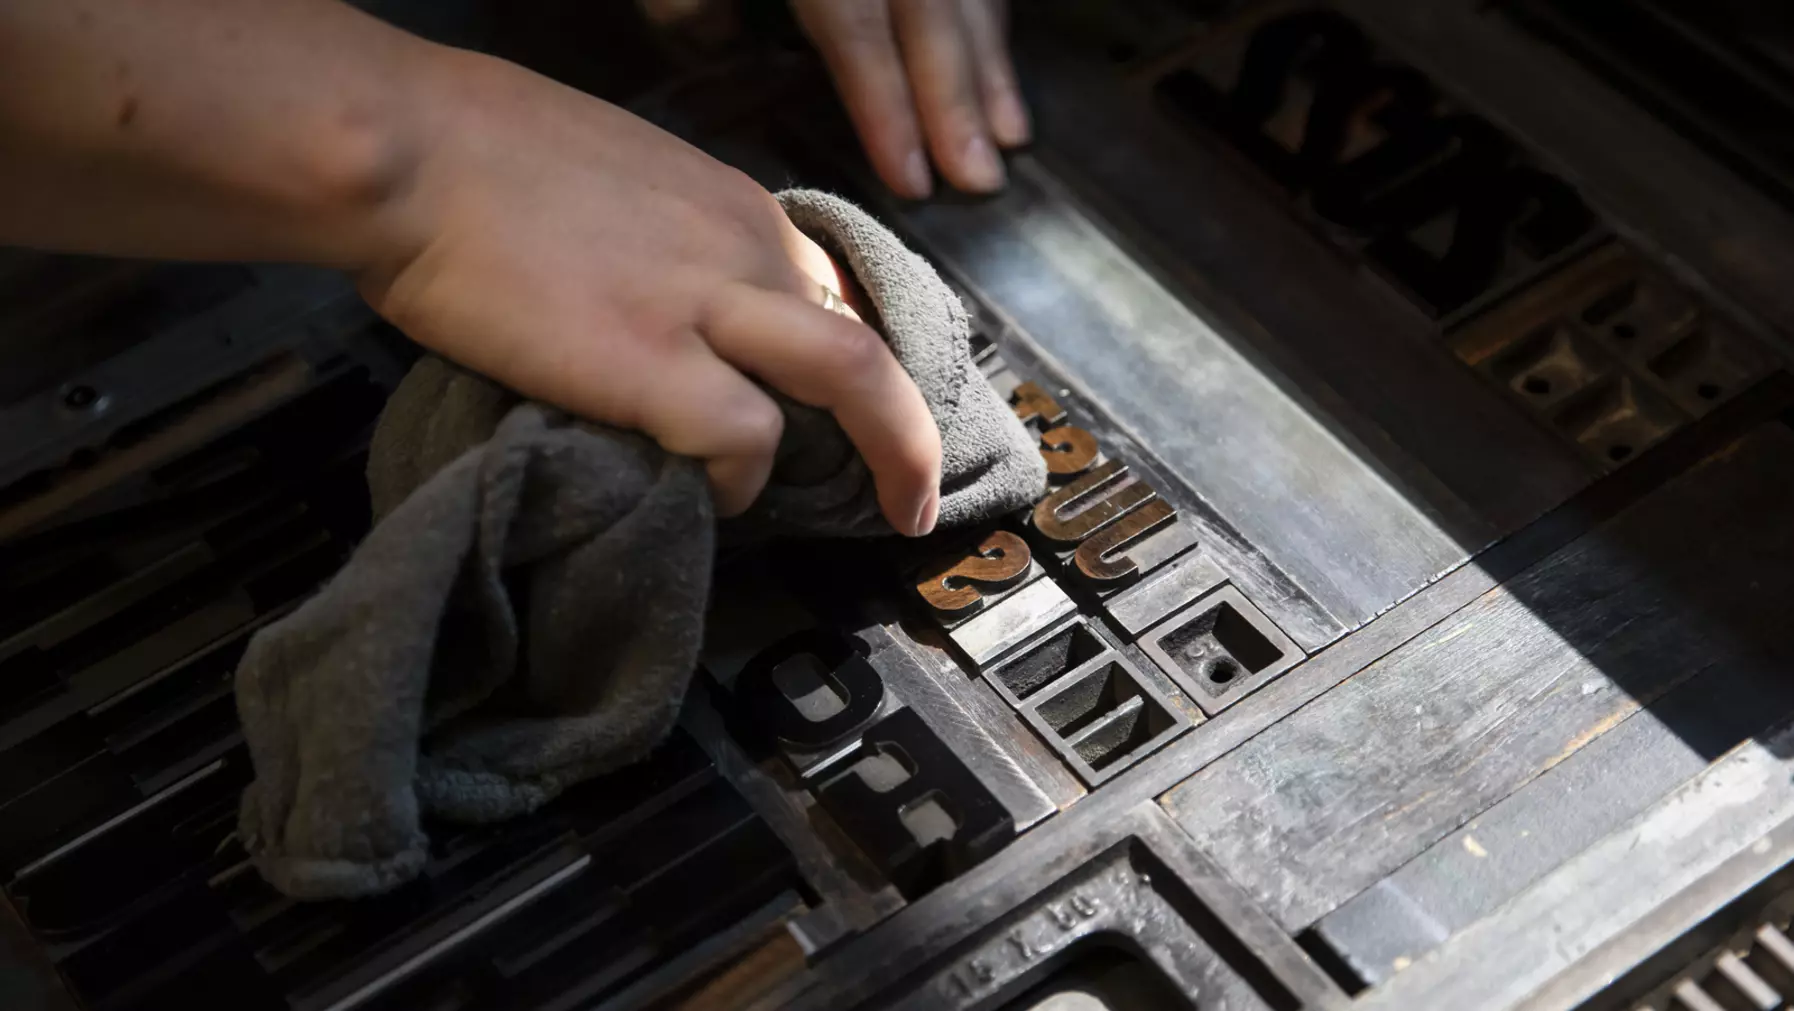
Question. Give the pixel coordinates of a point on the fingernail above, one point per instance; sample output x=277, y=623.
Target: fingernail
x=1009, y=121
x=982, y=168
x=928, y=516
x=917, y=176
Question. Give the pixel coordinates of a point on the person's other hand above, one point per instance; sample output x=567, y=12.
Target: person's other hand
x=583, y=257
x=922, y=75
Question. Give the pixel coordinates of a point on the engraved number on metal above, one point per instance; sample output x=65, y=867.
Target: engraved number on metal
x=957, y=586
x=1105, y=505
x=1097, y=557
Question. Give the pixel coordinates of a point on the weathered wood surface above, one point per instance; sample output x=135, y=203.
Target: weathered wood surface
x=1696, y=578
x=1471, y=872
x=1565, y=939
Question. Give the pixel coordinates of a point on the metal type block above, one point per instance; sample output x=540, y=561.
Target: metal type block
x=978, y=725
x=1220, y=649
x=1140, y=606
x=1081, y=508
x=1123, y=931
x=913, y=808
x=1610, y=354
x=967, y=581
x=1141, y=542
x=1438, y=202
x=1007, y=625
x=811, y=693
x=1103, y=716
x=1046, y=660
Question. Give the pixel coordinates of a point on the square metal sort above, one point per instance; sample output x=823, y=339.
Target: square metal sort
x=1002, y=628
x=1045, y=660
x=1220, y=649
x=1149, y=554
x=1143, y=605
x=1102, y=717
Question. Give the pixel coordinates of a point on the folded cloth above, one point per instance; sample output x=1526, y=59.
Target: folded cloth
x=526, y=612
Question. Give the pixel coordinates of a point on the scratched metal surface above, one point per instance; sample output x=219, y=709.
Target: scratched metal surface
x=1711, y=224
x=1470, y=873
x=1336, y=445
x=1345, y=791
x=1370, y=360
x=1561, y=941
x=1268, y=463
x=1337, y=433
x=1173, y=323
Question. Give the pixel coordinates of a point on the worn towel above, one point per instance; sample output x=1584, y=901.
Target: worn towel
x=527, y=611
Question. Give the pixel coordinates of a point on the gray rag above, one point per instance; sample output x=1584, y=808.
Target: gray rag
x=527, y=611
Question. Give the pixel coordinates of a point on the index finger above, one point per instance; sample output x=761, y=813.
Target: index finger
x=826, y=360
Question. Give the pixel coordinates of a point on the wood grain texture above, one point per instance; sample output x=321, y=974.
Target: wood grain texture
x=1565, y=939
x=1473, y=871
x=1696, y=577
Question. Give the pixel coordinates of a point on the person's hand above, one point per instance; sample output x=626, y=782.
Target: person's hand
x=922, y=75
x=583, y=257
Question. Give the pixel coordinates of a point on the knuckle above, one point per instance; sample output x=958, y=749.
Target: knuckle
x=752, y=219
x=633, y=407
x=750, y=200
x=785, y=275
x=864, y=28
x=852, y=352
x=652, y=402
x=832, y=22
x=761, y=425
x=931, y=17
x=919, y=456
x=995, y=75
x=961, y=113
x=921, y=453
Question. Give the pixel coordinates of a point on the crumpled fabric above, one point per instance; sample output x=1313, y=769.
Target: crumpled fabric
x=527, y=610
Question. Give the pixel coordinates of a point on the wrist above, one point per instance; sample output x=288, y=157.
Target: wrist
x=357, y=190
x=406, y=178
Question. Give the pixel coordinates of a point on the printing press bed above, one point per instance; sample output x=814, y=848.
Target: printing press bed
x=1403, y=627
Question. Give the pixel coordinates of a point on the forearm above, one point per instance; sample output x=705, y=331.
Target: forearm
x=209, y=129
